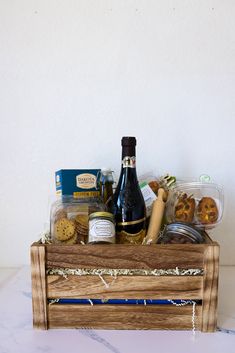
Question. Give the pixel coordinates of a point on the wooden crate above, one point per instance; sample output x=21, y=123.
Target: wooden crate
x=203, y=288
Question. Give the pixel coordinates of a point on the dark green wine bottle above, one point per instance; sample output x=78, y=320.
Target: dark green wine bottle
x=128, y=203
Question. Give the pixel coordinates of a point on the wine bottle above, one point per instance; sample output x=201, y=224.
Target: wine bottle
x=128, y=203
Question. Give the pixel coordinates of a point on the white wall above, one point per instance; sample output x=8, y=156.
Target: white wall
x=77, y=75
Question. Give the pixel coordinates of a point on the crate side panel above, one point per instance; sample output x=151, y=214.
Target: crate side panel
x=210, y=289
x=125, y=287
x=162, y=317
x=38, y=279
x=126, y=256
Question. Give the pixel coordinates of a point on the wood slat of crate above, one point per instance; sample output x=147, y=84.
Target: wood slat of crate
x=185, y=256
x=126, y=256
x=163, y=317
x=131, y=287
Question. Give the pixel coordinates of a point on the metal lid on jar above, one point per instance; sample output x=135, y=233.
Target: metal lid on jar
x=102, y=215
x=180, y=230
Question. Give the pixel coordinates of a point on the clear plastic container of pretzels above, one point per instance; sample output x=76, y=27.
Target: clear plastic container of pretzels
x=69, y=219
x=197, y=203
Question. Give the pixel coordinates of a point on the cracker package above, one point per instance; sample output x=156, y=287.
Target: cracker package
x=79, y=183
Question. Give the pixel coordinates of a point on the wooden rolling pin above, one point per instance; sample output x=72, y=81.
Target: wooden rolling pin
x=156, y=217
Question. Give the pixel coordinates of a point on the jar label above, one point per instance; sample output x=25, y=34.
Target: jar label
x=101, y=230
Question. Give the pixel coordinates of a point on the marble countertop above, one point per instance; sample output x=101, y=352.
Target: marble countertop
x=18, y=336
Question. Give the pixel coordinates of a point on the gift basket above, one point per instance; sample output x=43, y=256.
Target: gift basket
x=135, y=254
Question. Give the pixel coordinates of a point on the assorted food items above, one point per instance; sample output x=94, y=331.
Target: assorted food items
x=93, y=210
x=206, y=211
x=196, y=203
x=70, y=219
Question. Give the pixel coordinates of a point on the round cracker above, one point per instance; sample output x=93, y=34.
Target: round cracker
x=71, y=241
x=82, y=220
x=64, y=229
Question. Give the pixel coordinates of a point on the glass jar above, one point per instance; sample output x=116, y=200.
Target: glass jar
x=181, y=233
x=69, y=219
x=196, y=203
x=106, y=187
x=101, y=228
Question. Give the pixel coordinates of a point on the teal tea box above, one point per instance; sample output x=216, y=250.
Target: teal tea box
x=79, y=183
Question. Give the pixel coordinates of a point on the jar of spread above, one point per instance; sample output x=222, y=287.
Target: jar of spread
x=101, y=228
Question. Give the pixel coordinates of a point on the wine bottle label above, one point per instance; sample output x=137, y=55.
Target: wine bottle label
x=129, y=162
x=127, y=238
x=131, y=222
